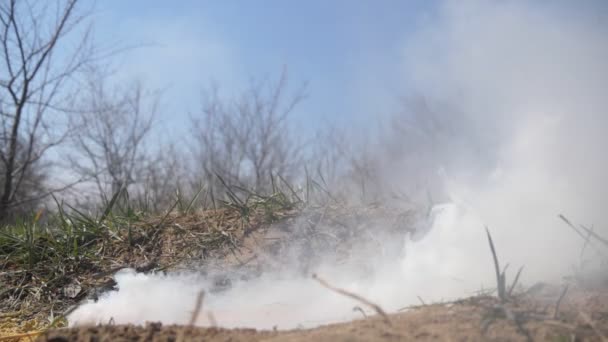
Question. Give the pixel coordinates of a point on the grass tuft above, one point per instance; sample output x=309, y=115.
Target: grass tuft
x=501, y=279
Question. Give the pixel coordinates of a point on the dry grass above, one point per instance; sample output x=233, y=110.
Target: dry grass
x=45, y=270
x=48, y=268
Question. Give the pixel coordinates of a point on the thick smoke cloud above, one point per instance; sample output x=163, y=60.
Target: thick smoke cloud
x=527, y=80
x=520, y=88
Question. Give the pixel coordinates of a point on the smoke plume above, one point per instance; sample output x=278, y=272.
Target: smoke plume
x=520, y=90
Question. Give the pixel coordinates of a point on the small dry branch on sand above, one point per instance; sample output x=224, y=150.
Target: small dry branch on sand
x=356, y=297
x=197, y=308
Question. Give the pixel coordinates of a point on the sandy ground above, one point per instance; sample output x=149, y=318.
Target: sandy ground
x=582, y=316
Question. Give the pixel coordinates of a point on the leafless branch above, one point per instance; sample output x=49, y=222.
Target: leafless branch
x=32, y=86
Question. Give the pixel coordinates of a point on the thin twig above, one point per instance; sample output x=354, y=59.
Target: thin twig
x=563, y=218
x=212, y=320
x=586, y=243
x=515, y=281
x=197, y=307
x=359, y=309
x=589, y=232
x=374, y=306
x=595, y=235
x=559, y=301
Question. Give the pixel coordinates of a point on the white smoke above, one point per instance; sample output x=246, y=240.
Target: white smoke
x=288, y=302
x=531, y=79
x=531, y=82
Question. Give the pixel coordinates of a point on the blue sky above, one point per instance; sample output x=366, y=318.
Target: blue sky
x=352, y=54
x=349, y=52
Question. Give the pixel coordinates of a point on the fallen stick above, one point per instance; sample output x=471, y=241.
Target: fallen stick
x=212, y=320
x=559, y=301
x=354, y=296
x=358, y=308
x=197, y=308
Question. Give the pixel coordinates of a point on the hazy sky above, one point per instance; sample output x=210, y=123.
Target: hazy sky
x=349, y=52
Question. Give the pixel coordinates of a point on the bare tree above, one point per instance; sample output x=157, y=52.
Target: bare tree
x=36, y=69
x=163, y=175
x=248, y=140
x=33, y=186
x=399, y=159
x=110, y=147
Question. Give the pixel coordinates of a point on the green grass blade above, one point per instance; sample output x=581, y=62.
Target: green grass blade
x=110, y=205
